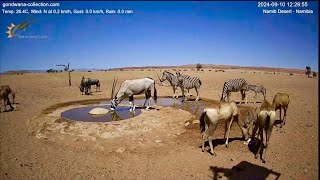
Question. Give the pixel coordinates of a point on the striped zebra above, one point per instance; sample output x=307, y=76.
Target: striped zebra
x=234, y=85
x=257, y=89
x=173, y=80
x=186, y=82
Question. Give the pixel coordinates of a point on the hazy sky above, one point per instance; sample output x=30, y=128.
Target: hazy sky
x=162, y=33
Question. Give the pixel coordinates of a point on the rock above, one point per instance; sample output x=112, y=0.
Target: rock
x=40, y=135
x=121, y=150
x=195, y=121
x=157, y=141
x=99, y=111
x=187, y=123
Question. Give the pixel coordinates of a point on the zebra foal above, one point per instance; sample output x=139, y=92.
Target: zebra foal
x=257, y=89
x=234, y=85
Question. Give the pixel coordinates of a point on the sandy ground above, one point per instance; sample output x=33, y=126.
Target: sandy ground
x=35, y=144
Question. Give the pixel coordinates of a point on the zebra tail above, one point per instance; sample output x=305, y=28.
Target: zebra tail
x=200, y=82
x=202, y=121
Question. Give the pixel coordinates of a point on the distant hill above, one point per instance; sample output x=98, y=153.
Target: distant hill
x=193, y=66
x=21, y=72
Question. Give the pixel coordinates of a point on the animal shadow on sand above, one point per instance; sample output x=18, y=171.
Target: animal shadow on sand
x=244, y=170
x=249, y=102
x=144, y=107
x=8, y=110
x=217, y=142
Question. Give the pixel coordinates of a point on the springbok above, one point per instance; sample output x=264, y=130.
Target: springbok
x=265, y=122
x=129, y=88
x=212, y=116
x=281, y=101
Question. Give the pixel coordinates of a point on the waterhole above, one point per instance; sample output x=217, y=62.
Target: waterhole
x=82, y=114
x=123, y=113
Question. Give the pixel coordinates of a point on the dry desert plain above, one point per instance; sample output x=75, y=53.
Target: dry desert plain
x=157, y=144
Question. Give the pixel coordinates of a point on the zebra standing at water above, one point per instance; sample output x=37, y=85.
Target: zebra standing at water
x=173, y=80
x=257, y=89
x=234, y=85
x=186, y=82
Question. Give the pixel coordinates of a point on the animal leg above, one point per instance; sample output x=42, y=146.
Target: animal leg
x=5, y=104
x=197, y=90
x=182, y=90
x=131, y=102
x=229, y=129
x=225, y=131
x=285, y=115
x=8, y=103
x=203, y=141
x=255, y=98
x=212, y=127
x=174, y=92
x=148, y=98
x=281, y=120
x=228, y=96
x=254, y=131
x=268, y=134
x=261, y=145
x=189, y=95
x=210, y=138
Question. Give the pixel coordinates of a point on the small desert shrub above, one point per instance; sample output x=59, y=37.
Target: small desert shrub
x=314, y=74
x=291, y=74
x=199, y=66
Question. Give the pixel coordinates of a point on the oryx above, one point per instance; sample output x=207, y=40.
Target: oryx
x=132, y=87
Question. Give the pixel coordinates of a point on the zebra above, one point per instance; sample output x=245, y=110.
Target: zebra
x=186, y=82
x=234, y=85
x=257, y=89
x=173, y=80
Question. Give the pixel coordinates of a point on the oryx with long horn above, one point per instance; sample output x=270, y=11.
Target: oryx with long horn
x=132, y=87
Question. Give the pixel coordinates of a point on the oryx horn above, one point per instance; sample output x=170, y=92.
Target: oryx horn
x=113, y=86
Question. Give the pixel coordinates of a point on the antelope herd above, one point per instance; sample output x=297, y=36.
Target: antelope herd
x=250, y=120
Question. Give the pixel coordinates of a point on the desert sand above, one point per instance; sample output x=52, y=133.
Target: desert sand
x=36, y=144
